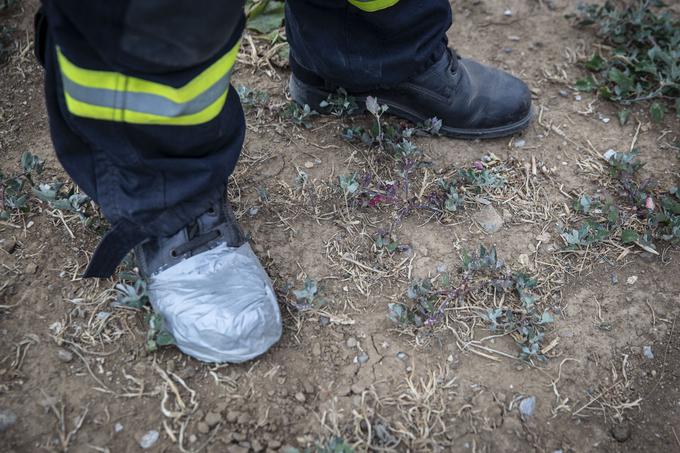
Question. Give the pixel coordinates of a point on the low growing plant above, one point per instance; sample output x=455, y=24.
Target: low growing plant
x=642, y=60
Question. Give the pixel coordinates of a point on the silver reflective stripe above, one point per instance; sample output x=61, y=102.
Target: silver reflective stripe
x=146, y=102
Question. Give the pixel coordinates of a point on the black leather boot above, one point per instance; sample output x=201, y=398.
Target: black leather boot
x=216, y=226
x=472, y=100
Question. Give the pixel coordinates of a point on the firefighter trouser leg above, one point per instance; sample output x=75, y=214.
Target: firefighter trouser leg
x=365, y=44
x=141, y=111
x=142, y=115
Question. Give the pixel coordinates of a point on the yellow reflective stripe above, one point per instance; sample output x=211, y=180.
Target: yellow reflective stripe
x=120, y=82
x=97, y=112
x=373, y=5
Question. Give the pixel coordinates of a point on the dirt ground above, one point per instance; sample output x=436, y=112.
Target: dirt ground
x=74, y=368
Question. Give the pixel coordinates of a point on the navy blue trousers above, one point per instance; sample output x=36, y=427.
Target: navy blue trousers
x=151, y=180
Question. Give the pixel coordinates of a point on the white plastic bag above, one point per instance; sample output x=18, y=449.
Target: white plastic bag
x=219, y=305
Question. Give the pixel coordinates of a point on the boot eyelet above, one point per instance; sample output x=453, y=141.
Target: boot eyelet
x=173, y=253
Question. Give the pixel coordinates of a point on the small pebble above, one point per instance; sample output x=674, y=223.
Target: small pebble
x=523, y=259
x=243, y=419
x=238, y=437
x=7, y=419
x=647, y=352
x=631, y=280
x=351, y=342
x=324, y=320
x=513, y=38
x=563, y=93
x=609, y=154
x=31, y=268
x=316, y=349
x=232, y=416
x=402, y=355
x=507, y=12
x=212, y=419
x=149, y=439
x=357, y=389
x=615, y=279
x=527, y=406
x=118, y=427
x=507, y=49
x=193, y=439
x=299, y=396
x=578, y=97
x=362, y=358
x=64, y=355
x=344, y=391
x=489, y=219
x=273, y=444
x=203, y=427
x=8, y=245
x=621, y=432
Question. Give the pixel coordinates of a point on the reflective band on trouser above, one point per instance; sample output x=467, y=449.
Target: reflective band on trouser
x=113, y=96
x=373, y=5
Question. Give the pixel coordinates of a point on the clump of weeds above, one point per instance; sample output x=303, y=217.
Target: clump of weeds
x=264, y=24
x=656, y=210
x=642, y=59
x=340, y=104
x=300, y=115
x=632, y=210
x=458, y=299
x=396, y=182
x=13, y=196
x=307, y=297
x=132, y=294
x=252, y=97
x=387, y=241
x=16, y=189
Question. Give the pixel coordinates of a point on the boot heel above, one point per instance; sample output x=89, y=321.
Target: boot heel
x=303, y=93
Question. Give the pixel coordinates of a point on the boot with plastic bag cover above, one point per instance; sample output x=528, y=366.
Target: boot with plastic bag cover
x=215, y=298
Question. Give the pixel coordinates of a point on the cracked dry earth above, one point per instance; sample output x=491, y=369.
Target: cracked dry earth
x=75, y=373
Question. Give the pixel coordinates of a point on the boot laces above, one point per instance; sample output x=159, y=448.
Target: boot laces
x=196, y=239
x=453, y=60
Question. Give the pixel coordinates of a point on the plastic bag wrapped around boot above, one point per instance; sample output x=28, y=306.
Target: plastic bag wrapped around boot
x=219, y=305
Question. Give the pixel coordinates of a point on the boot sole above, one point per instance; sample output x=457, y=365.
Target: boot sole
x=313, y=96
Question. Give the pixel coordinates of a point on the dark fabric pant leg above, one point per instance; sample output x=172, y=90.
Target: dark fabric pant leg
x=360, y=50
x=149, y=179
